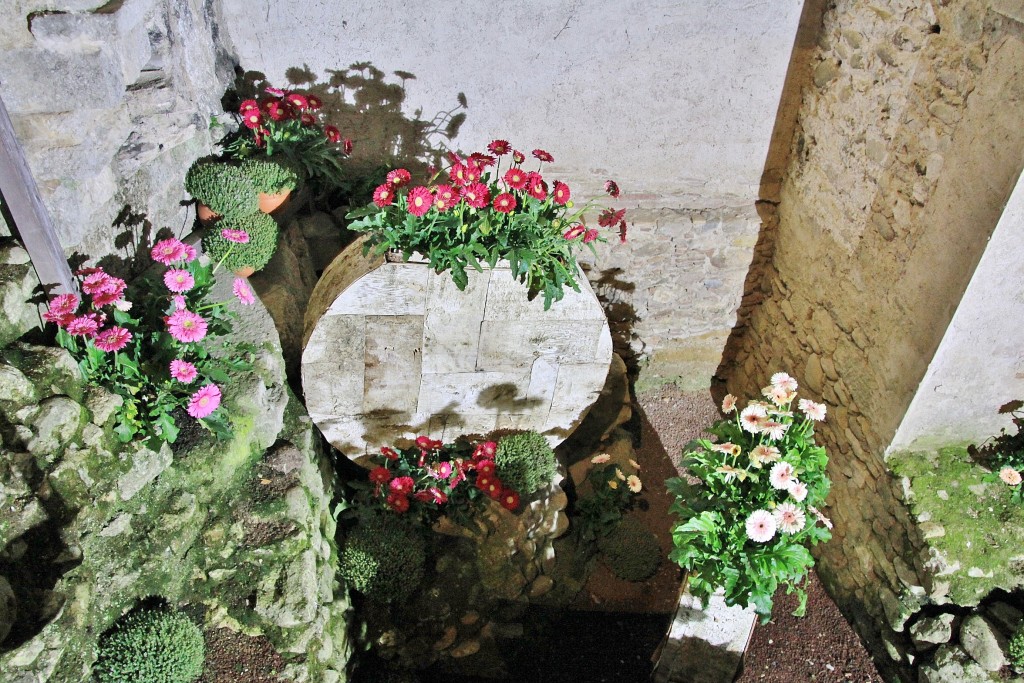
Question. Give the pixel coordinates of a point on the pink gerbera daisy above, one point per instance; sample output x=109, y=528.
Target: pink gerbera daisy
x=1010, y=476
x=276, y=111
x=798, y=490
x=204, y=401
x=813, y=411
x=575, y=231
x=504, y=203
x=789, y=518
x=760, y=526
x=112, y=293
x=242, y=291
x=383, y=195
x=561, y=193
x=186, y=326
x=458, y=174
x=179, y=302
x=485, y=451
x=83, y=326
x=476, y=195
x=61, y=309
x=445, y=197
x=298, y=101
x=276, y=92
x=236, y=236
x=398, y=177
x=112, y=339
x=752, y=418
x=518, y=157
x=401, y=485
x=516, y=178
x=183, y=371
x=179, y=280
x=542, y=155
x=332, y=133
x=784, y=381
x=252, y=118
x=499, y=147
x=419, y=200
x=781, y=475
x=774, y=430
x=728, y=404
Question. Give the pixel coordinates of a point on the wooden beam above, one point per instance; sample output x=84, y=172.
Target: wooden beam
x=31, y=219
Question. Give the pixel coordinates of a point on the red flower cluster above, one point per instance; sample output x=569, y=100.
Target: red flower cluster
x=282, y=106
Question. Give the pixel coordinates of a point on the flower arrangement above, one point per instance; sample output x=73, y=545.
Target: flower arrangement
x=289, y=125
x=475, y=213
x=1004, y=454
x=431, y=479
x=614, y=493
x=153, y=344
x=746, y=528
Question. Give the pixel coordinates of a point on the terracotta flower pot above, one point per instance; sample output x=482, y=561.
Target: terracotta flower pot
x=245, y=271
x=205, y=214
x=271, y=202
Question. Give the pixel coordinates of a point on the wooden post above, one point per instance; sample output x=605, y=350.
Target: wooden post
x=31, y=219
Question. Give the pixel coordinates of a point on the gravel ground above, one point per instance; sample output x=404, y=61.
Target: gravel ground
x=821, y=646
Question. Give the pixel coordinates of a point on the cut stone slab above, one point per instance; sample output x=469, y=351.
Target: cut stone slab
x=704, y=645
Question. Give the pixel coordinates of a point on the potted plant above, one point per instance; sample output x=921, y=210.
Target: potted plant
x=480, y=214
x=745, y=528
x=221, y=190
x=244, y=245
x=273, y=181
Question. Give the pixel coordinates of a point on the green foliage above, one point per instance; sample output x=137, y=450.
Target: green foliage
x=631, y=551
x=1004, y=454
x=222, y=187
x=525, y=462
x=269, y=176
x=1016, y=649
x=384, y=558
x=262, y=244
x=601, y=510
x=712, y=541
x=151, y=646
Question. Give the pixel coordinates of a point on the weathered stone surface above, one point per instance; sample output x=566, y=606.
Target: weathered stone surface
x=57, y=422
x=952, y=665
x=146, y=466
x=8, y=608
x=984, y=643
x=932, y=631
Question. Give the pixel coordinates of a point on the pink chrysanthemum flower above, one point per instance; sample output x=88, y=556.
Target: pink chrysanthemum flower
x=168, y=251
x=760, y=526
x=789, y=518
x=476, y=195
x=504, y=203
x=242, y=291
x=542, y=155
x=186, y=326
x=516, y=178
x=236, y=236
x=419, y=200
x=183, y=371
x=561, y=193
x=383, y=195
x=398, y=177
x=781, y=475
x=728, y=404
x=575, y=231
x=332, y=134
x=612, y=188
x=83, y=326
x=813, y=411
x=499, y=147
x=518, y=157
x=1010, y=476
x=179, y=280
x=590, y=235
x=752, y=418
x=798, y=490
x=112, y=339
x=204, y=401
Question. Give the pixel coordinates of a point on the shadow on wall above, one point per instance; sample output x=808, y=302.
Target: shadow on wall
x=367, y=108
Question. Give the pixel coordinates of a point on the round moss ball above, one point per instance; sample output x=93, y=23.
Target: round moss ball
x=631, y=551
x=151, y=646
x=525, y=462
x=384, y=559
x=223, y=187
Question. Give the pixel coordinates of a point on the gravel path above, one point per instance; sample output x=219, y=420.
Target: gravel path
x=820, y=647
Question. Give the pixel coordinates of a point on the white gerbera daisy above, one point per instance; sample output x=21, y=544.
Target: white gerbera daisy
x=789, y=518
x=760, y=526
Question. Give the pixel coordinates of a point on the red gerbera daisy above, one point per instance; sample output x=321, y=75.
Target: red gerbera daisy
x=419, y=200
x=398, y=177
x=536, y=187
x=383, y=195
x=398, y=503
x=445, y=197
x=610, y=217
x=380, y=475
x=298, y=101
x=472, y=172
x=510, y=500
x=458, y=174
x=476, y=195
x=516, y=178
x=542, y=155
x=307, y=119
x=590, y=235
x=252, y=118
x=504, y=203
x=332, y=133
x=561, y=193
x=276, y=111
x=518, y=156
x=314, y=102
x=499, y=147
x=485, y=468
x=611, y=187
x=347, y=145
x=482, y=482
x=481, y=160
x=389, y=453
x=246, y=105
x=575, y=231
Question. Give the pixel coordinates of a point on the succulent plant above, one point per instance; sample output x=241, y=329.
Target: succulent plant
x=256, y=253
x=151, y=645
x=224, y=188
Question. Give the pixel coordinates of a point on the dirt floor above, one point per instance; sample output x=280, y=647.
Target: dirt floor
x=821, y=646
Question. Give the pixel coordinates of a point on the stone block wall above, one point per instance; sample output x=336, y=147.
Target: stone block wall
x=906, y=149
x=111, y=103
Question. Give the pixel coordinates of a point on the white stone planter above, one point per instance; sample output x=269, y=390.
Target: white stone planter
x=394, y=350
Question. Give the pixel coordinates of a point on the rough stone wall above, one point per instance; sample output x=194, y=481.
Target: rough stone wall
x=111, y=102
x=905, y=151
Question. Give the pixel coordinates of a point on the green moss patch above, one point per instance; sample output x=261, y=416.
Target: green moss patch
x=972, y=525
